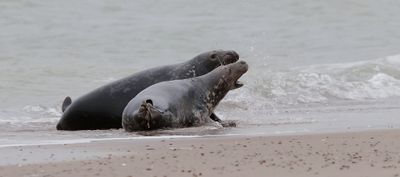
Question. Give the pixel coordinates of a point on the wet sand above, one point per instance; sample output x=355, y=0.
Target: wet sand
x=353, y=154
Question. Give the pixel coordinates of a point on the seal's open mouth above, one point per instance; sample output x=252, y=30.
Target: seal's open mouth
x=238, y=84
x=239, y=71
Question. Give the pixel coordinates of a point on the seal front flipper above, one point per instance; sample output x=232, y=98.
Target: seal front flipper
x=224, y=123
x=66, y=103
x=215, y=118
x=228, y=123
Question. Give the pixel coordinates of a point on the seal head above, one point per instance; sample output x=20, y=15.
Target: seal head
x=224, y=79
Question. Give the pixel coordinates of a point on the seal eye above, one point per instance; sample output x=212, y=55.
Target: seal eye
x=213, y=56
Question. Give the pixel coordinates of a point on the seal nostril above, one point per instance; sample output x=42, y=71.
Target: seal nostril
x=149, y=101
x=242, y=62
x=59, y=127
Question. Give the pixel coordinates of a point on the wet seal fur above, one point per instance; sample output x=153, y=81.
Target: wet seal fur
x=102, y=108
x=182, y=103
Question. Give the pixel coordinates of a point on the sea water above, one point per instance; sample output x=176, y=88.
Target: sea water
x=314, y=65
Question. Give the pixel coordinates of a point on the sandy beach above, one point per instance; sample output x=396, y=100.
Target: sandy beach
x=367, y=153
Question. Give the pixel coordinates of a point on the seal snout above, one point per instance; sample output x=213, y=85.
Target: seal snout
x=144, y=114
x=144, y=118
x=243, y=66
x=239, y=69
x=234, y=54
x=59, y=127
x=230, y=57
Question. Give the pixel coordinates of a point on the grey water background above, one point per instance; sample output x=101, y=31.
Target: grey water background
x=314, y=65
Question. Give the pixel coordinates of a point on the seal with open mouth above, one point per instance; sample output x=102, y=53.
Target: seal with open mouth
x=182, y=103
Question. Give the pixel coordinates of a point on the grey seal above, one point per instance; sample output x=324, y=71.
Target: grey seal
x=182, y=103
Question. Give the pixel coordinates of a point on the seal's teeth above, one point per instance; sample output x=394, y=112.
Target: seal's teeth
x=238, y=84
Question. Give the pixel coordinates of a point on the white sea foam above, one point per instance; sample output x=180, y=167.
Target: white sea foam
x=30, y=114
x=293, y=90
x=50, y=111
x=323, y=83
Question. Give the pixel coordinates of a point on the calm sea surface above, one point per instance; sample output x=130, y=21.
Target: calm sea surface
x=314, y=65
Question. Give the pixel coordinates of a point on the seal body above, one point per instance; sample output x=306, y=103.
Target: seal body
x=102, y=108
x=182, y=103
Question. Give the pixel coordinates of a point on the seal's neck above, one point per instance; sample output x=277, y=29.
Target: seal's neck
x=216, y=86
x=197, y=67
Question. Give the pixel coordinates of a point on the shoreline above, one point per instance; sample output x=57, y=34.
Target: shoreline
x=160, y=135
x=358, y=153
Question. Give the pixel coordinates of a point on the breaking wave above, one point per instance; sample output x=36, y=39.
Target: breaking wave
x=30, y=118
x=268, y=92
x=364, y=80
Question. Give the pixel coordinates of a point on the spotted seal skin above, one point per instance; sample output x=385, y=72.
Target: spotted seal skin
x=182, y=103
x=102, y=108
